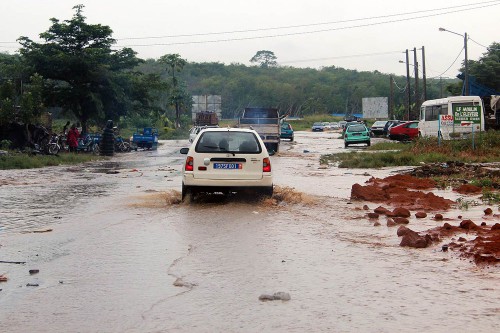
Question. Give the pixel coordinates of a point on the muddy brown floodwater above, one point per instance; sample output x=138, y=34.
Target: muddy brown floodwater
x=108, y=247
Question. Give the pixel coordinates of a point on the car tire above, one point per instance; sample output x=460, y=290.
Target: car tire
x=53, y=149
x=368, y=144
x=266, y=192
x=291, y=139
x=186, y=192
x=346, y=144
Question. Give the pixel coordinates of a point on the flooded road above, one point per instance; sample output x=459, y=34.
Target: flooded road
x=117, y=252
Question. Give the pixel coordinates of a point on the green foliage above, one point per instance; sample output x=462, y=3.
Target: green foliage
x=177, y=94
x=490, y=197
x=423, y=150
x=5, y=144
x=265, y=59
x=24, y=161
x=82, y=73
x=486, y=70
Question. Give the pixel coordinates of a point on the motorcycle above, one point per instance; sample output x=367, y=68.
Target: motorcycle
x=53, y=147
x=122, y=145
x=89, y=143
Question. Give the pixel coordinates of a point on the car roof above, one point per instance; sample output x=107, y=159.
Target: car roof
x=229, y=129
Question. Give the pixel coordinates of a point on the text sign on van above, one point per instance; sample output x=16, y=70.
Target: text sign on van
x=446, y=119
x=466, y=115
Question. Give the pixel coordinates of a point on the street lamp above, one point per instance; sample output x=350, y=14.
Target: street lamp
x=466, y=80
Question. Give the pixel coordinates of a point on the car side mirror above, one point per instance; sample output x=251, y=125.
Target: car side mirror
x=184, y=151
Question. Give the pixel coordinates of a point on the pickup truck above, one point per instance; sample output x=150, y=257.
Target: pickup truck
x=146, y=139
x=266, y=122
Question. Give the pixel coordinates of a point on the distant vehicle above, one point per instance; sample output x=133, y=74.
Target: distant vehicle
x=460, y=116
x=206, y=118
x=342, y=123
x=286, y=131
x=318, y=127
x=356, y=133
x=146, y=139
x=226, y=160
x=266, y=122
x=404, y=132
x=194, y=131
x=391, y=123
x=327, y=125
x=334, y=125
x=351, y=123
x=378, y=127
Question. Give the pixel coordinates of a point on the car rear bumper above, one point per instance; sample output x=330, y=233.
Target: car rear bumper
x=377, y=131
x=265, y=181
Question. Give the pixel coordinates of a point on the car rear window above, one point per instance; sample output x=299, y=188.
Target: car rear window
x=228, y=141
x=356, y=128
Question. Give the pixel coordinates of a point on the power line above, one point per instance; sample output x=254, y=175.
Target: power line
x=486, y=47
x=309, y=32
x=341, y=57
x=313, y=24
x=454, y=61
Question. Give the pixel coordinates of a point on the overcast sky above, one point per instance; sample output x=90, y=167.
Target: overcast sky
x=364, y=35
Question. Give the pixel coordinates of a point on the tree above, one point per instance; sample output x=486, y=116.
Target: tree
x=486, y=70
x=175, y=64
x=83, y=75
x=265, y=58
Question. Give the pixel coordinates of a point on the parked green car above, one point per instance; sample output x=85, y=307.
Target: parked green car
x=286, y=131
x=356, y=133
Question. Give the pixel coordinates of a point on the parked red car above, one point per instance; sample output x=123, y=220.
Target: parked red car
x=404, y=132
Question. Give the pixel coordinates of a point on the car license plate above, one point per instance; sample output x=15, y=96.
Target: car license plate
x=228, y=166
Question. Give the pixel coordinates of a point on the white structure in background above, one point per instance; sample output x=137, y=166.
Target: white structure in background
x=375, y=108
x=207, y=103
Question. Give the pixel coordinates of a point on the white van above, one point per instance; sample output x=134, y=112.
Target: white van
x=452, y=117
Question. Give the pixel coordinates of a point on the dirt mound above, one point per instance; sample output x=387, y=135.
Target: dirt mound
x=482, y=244
x=468, y=189
x=394, y=190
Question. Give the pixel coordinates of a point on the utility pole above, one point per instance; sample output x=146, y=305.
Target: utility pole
x=408, y=93
x=466, y=91
x=466, y=81
x=417, y=94
x=391, y=97
x=424, y=77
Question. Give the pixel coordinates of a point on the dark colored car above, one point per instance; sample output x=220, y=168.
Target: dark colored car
x=318, y=127
x=378, y=127
x=391, y=123
x=286, y=131
x=404, y=132
x=356, y=133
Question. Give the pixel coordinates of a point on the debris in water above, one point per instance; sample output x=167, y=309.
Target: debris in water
x=280, y=295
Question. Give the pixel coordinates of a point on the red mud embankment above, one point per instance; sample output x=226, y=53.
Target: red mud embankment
x=406, y=193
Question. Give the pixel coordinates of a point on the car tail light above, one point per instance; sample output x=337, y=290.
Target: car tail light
x=189, y=163
x=266, y=165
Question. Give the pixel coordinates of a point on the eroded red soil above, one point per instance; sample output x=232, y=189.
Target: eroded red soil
x=406, y=193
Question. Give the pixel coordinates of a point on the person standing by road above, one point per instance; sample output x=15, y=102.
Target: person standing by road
x=65, y=128
x=72, y=138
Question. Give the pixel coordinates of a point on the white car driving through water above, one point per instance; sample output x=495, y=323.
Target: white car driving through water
x=226, y=160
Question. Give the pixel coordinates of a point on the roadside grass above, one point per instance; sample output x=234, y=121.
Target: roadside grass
x=486, y=148
x=15, y=160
